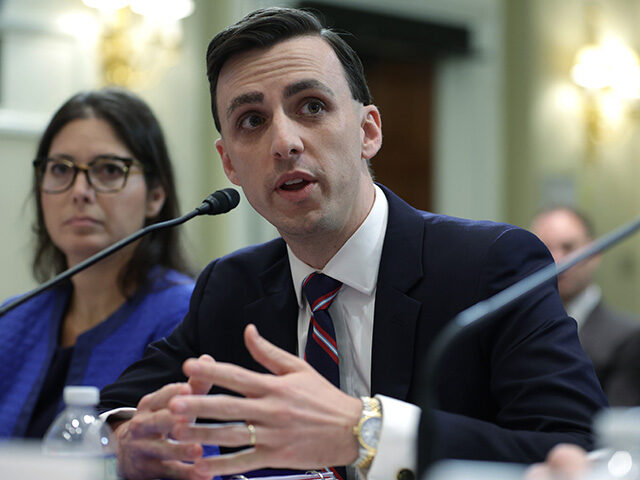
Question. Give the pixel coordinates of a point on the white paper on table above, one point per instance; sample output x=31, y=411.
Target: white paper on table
x=307, y=476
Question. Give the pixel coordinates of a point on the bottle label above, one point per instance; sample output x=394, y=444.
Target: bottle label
x=111, y=468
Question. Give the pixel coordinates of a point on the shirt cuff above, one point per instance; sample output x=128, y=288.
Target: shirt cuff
x=398, y=439
x=117, y=414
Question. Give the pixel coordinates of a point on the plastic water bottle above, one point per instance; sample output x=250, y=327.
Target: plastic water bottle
x=77, y=432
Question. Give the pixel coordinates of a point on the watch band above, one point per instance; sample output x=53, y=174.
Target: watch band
x=367, y=431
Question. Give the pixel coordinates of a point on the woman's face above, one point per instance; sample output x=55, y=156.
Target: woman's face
x=81, y=221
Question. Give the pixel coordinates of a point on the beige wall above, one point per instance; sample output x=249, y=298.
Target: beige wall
x=510, y=133
x=43, y=64
x=546, y=148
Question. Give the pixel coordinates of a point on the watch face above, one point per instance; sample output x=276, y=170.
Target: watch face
x=369, y=431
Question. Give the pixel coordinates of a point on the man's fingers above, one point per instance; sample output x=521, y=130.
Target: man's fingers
x=227, y=375
x=235, y=434
x=180, y=471
x=238, y=462
x=568, y=460
x=200, y=386
x=274, y=359
x=219, y=407
x=150, y=424
x=204, y=372
x=154, y=468
x=159, y=399
x=538, y=471
x=563, y=462
x=163, y=449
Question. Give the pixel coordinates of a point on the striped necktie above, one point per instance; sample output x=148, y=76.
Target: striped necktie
x=321, y=351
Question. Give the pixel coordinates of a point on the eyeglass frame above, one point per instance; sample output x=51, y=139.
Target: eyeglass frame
x=41, y=163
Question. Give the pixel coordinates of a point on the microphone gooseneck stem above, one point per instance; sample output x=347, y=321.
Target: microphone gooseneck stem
x=93, y=259
x=219, y=202
x=485, y=310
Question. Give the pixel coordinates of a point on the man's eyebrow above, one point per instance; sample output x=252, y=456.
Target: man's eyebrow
x=245, y=98
x=311, y=84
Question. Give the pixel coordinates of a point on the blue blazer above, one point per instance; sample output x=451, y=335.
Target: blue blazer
x=29, y=336
x=508, y=392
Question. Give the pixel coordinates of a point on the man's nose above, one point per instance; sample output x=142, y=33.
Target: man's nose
x=286, y=141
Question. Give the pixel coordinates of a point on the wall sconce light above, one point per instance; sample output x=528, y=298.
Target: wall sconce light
x=609, y=74
x=139, y=40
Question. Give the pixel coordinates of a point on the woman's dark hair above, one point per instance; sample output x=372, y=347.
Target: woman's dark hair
x=268, y=26
x=136, y=126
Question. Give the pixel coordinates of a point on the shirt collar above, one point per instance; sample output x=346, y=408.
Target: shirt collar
x=356, y=264
x=583, y=304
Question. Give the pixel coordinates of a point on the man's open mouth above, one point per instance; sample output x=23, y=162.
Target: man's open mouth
x=294, y=185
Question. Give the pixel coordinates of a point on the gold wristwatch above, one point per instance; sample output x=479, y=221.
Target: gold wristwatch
x=367, y=431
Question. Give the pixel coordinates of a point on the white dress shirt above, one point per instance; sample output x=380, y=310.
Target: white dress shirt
x=356, y=265
x=581, y=306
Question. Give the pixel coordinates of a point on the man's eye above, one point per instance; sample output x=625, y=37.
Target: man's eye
x=313, y=107
x=251, y=122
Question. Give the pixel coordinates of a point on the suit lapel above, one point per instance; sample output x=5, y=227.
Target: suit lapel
x=396, y=313
x=275, y=314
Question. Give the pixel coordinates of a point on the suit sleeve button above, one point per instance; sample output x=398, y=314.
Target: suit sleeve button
x=405, y=474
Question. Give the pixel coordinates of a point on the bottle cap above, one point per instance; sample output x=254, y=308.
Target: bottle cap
x=81, y=395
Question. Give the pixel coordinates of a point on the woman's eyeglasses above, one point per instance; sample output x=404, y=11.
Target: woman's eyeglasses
x=106, y=173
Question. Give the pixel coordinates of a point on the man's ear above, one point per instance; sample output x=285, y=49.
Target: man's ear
x=227, y=165
x=372, y=131
x=155, y=200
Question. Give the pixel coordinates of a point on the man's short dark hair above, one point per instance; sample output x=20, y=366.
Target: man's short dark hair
x=268, y=26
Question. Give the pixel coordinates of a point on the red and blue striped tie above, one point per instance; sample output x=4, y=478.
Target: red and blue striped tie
x=321, y=351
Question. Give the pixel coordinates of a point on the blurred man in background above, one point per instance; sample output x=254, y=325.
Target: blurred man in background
x=601, y=330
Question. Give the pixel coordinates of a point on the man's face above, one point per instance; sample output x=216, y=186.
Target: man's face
x=295, y=140
x=563, y=233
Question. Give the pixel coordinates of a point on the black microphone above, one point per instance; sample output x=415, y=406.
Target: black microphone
x=218, y=202
x=484, y=311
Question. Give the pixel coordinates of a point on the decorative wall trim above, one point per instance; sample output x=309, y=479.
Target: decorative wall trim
x=21, y=123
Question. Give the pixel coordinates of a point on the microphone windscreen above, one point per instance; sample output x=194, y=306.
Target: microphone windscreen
x=220, y=201
x=232, y=198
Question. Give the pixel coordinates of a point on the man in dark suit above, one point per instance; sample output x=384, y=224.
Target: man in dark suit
x=601, y=329
x=298, y=129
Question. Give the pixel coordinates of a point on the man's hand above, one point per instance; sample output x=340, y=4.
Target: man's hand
x=145, y=449
x=300, y=419
x=563, y=462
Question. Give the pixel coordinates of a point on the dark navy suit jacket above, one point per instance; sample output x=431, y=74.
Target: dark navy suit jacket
x=508, y=392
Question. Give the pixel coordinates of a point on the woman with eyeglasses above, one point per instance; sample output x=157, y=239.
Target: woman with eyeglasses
x=102, y=172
